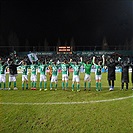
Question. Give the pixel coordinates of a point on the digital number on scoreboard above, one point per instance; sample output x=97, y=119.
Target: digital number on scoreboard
x=64, y=50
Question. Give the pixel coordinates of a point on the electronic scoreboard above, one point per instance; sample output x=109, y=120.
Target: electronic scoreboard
x=64, y=50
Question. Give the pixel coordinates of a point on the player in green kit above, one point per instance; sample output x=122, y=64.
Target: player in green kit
x=76, y=70
x=43, y=78
x=24, y=67
x=3, y=66
x=98, y=72
x=65, y=71
x=54, y=78
x=33, y=77
x=87, y=77
x=12, y=72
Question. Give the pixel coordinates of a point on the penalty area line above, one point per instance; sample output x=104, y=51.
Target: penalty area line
x=67, y=103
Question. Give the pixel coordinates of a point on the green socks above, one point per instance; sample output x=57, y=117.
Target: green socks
x=40, y=84
x=77, y=86
x=98, y=86
x=22, y=85
x=15, y=84
x=56, y=85
x=72, y=86
x=66, y=84
x=9, y=84
x=84, y=84
x=89, y=85
x=63, y=85
x=51, y=85
x=32, y=84
x=45, y=85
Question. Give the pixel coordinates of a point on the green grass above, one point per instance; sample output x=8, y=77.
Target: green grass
x=103, y=117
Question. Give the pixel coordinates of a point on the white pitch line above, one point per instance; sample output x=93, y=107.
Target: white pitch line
x=67, y=103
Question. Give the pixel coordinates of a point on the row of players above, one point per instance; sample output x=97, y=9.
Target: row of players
x=54, y=66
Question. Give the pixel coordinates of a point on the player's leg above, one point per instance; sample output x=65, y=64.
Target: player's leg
x=84, y=85
x=78, y=81
x=32, y=82
x=97, y=82
x=66, y=84
x=22, y=85
x=45, y=82
x=35, y=80
x=0, y=82
x=126, y=86
x=66, y=81
x=4, y=81
x=40, y=84
x=23, y=82
x=9, y=83
x=26, y=80
x=26, y=84
x=89, y=82
x=100, y=84
x=85, y=80
x=56, y=82
x=73, y=81
x=15, y=83
x=122, y=85
x=113, y=84
x=51, y=82
x=109, y=83
x=63, y=82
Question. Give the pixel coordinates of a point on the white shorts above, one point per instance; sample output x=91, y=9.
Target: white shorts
x=64, y=77
x=75, y=78
x=2, y=78
x=33, y=78
x=87, y=77
x=12, y=78
x=43, y=78
x=54, y=79
x=24, y=77
x=98, y=77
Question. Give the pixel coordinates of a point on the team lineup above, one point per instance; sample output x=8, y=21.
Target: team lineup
x=53, y=67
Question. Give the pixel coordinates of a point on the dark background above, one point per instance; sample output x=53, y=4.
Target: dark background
x=88, y=22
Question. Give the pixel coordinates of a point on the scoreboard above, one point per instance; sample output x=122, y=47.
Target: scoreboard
x=64, y=50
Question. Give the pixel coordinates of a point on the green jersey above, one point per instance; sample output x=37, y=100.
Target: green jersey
x=34, y=69
x=24, y=69
x=3, y=69
x=87, y=68
x=76, y=69
x=42, y=68
x=65, y=68
x=98, y=69
x=54, y=69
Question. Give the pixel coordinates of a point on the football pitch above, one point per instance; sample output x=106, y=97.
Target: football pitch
x=34, y=111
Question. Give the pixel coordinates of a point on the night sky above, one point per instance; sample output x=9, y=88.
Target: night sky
x=87, y=21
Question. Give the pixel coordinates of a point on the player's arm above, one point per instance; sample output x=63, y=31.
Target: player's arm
x=70, y=63
x=20, y=63
x=103, y=60
x=81, y=61
x=8, y=61
x=119, y=61
x=93, y=60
